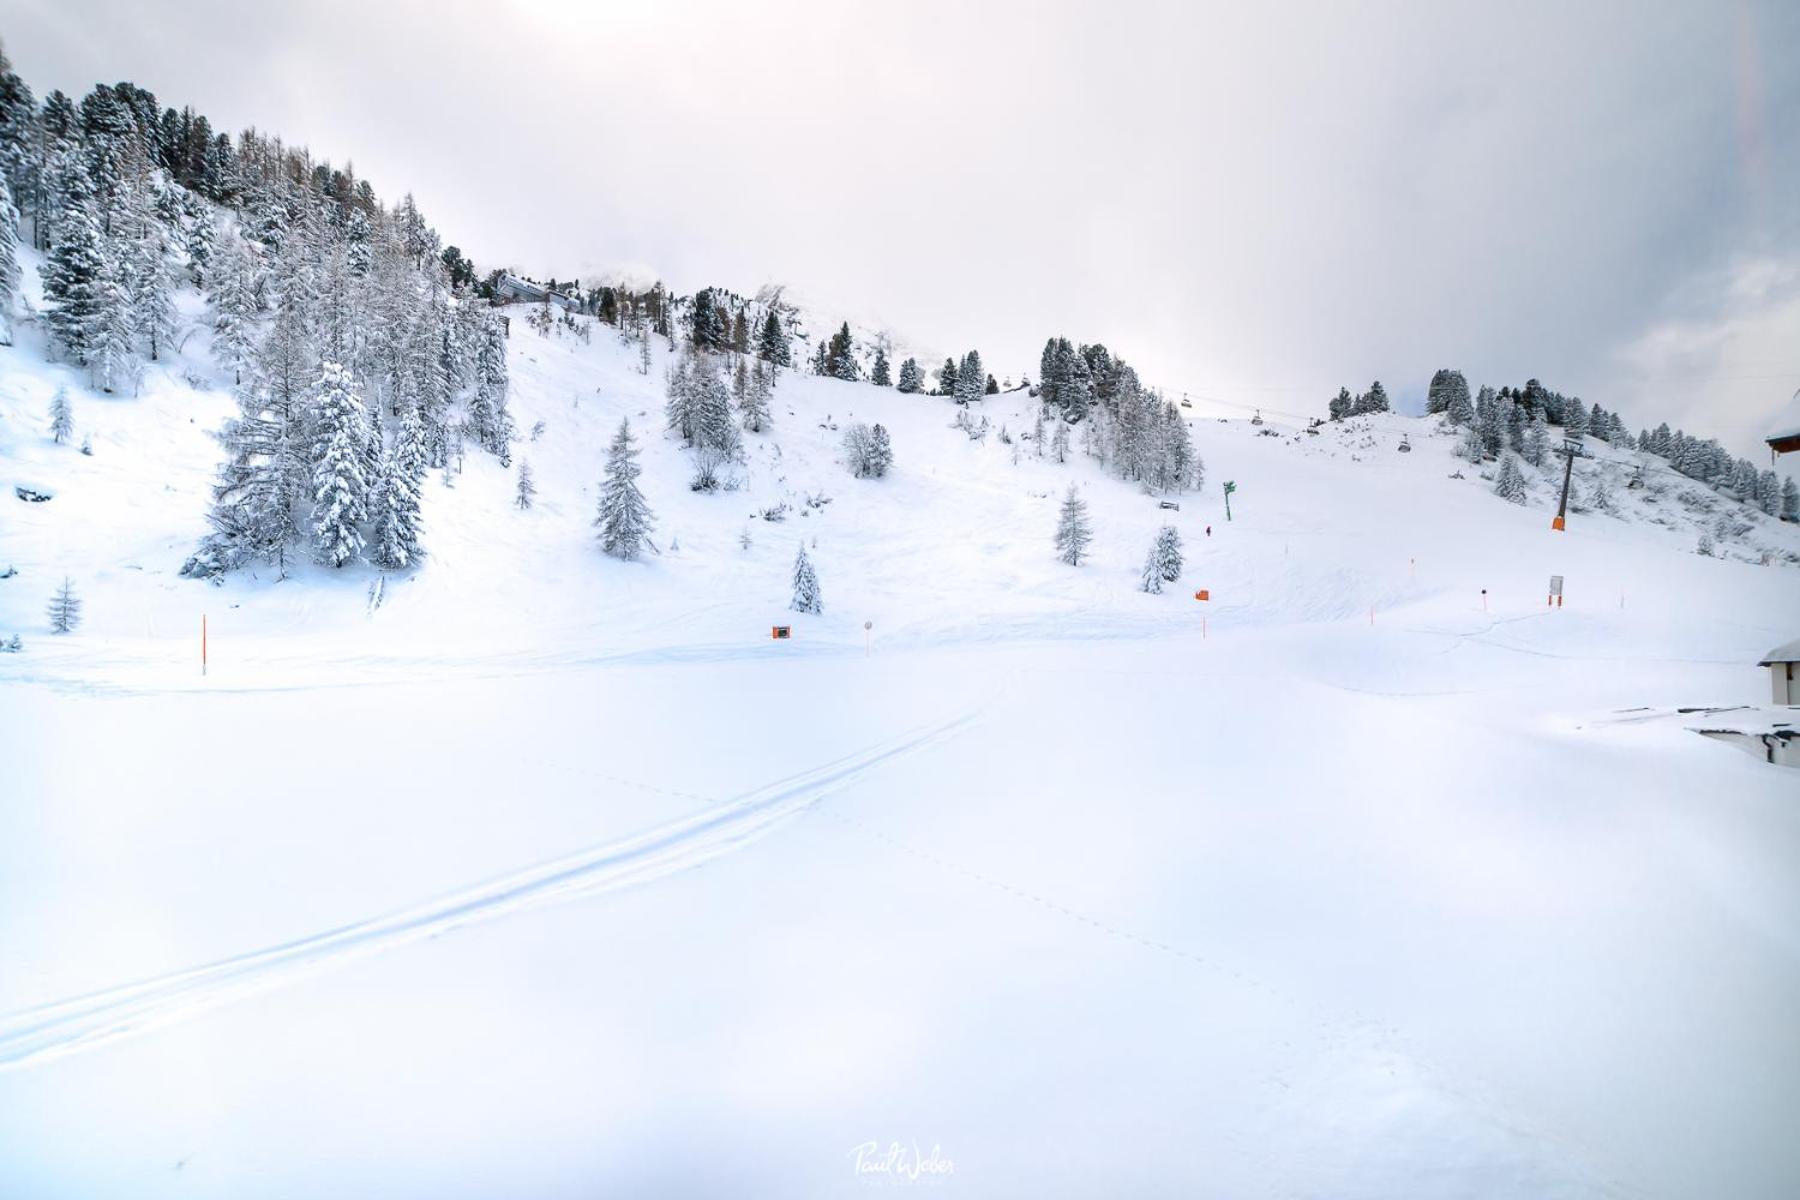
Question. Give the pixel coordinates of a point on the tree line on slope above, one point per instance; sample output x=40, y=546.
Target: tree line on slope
x=356, y=361
x=1511, y=421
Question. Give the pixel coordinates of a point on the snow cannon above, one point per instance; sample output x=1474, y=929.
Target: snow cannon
x=1203, y=594
x=781, y=633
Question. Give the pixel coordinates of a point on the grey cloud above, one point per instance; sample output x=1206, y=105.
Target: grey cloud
x=1258, y=202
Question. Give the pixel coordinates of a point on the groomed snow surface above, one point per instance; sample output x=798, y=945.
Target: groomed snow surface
x=552, y=875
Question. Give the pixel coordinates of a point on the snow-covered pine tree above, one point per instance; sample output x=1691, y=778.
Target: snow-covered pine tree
x=947, y=378
x=1151, y=580
x=1059, y=443
x=711, y=431
x=706, y=326
x=1510, y=484
x=112, y=362
x=624, y=518
x=643, y=342
x=65, y=608
x=881, y=451
x=1437, y=396
x=75, y=292
x=1490, y=420
x=487, y=402
x=527, y=485
x=754, y=407
x=1459, y=410
x=398, y=521
x=807, y=598
x=1790, y=500
x=1575, y=418
x=878, y=375
x=62, y=417
x=9, y=258
x=1599, y=423
x=681, y=410
x=1535, y=442
x=1342, y=405
x=772, y=342
x=340, y=487
x=1038, y=433
x=911, y=380
x=971, y=378
x=1167, y=552
x=840, y=356
x=1072, y=531
x=1768, y=493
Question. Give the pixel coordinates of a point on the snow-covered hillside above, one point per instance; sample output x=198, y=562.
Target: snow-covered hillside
x=1370, y=875
x=953, y=546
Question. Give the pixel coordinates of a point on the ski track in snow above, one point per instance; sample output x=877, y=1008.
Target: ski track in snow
x=51, y=1031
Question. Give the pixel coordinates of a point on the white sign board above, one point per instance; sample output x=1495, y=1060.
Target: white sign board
x=1556, y=585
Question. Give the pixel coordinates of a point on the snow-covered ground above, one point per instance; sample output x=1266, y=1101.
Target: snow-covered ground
x=552, y=875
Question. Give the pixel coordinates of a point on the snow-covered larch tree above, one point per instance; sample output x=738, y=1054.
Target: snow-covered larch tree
x=340, y=488
x=527, y=486
x=65, y=608
x=806, y=585
x=1072, y=531
x=232, y=293
x=754, y=405
x=624, y=518
x=62, y=416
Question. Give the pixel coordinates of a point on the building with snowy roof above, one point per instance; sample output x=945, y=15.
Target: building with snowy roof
x=1784, y=671
x=1784, y=434
x=511, y=287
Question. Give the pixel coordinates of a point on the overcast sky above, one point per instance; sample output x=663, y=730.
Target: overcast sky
x=1255, y=202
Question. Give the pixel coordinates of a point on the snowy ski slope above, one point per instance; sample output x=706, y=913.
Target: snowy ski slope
x=555, y=875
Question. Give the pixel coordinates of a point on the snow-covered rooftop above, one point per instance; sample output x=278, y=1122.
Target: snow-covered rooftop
x=1786, y=652
x=1787, y=422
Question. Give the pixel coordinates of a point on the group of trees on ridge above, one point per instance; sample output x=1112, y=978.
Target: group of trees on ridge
x=1524, y=421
